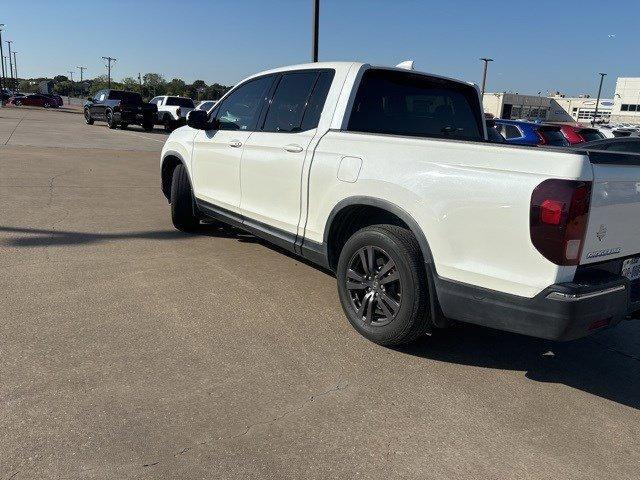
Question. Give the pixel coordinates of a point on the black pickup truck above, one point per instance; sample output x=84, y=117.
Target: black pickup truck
x=120, y=108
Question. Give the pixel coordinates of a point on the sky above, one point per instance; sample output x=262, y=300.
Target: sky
x=536, y=46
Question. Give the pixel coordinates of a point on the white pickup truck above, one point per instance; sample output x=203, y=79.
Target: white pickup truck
x=385, y=177
x=172, y=111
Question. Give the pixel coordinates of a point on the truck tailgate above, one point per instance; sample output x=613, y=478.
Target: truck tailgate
x=613, y=230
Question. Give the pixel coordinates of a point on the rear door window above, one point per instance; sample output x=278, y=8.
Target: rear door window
x=179, y=102
x=405, y=103
x=289, y=102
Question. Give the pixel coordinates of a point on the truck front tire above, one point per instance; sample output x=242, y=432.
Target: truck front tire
x=87, y=117
x=183, y=212
x=382, y=285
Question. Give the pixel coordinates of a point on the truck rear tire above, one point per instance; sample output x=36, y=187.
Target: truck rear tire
x=169, y=125
x=110, y=121
x=382, y=285
x=183, y=209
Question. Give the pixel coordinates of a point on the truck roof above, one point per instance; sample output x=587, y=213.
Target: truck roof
x=346, y=66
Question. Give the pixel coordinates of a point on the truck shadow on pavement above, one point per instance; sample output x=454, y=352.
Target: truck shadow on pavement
x=606, y=364
x=37, y=237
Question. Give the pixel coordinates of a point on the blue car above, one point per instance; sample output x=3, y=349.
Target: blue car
x=519, y=132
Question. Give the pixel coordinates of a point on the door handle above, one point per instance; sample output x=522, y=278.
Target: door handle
x=293, y=148
x=235, y=143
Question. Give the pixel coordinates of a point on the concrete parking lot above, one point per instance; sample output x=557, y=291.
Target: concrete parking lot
x=130, y=350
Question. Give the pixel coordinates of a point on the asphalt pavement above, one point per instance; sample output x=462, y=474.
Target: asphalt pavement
x=130, y=350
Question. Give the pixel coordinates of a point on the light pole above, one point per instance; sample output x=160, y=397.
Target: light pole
x=595, y=114
x=109, y=60
x=2, y=62
x=9, y=42
x=314, y=30
x=484, y=73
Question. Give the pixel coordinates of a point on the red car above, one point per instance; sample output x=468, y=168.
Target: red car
x=577, y=134
x=35, y=100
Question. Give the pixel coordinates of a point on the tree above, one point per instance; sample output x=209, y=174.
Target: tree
x=155, y=83
x=130, y=83
x=215, y=91
x=63, y=88
x=177, y=87
x=26, y=86
x=60, y=78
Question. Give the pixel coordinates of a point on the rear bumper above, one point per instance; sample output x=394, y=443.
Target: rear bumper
x=563, y=311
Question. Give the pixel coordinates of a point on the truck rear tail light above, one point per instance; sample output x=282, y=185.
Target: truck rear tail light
x=558, y=219
x=541, y=139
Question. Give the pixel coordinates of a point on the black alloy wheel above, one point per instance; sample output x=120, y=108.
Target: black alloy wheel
x=373, y=283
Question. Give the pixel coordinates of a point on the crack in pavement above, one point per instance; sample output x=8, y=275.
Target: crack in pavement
x=52, y=187
x=15, y=128
x=311, y=399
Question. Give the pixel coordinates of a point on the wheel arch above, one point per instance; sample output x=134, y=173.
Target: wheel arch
x=343, y=211
x=170, y=160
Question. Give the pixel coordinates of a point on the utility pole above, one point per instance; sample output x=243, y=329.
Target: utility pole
x=140, y=81
x=314, y=27
x=9, y=42
x=109, y=60
x=484, y=73
x=15, y=67
x=70, y=88
x=2, y=85
x=595, y=115
x=82, y=69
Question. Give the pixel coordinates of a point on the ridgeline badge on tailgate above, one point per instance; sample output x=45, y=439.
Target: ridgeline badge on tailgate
x=604, y=253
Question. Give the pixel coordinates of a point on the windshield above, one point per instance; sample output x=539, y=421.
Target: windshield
x=591, y=135
x=179, y=102
x=553, y=136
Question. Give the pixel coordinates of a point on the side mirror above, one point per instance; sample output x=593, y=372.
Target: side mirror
x=90, y=99
x=199, y=119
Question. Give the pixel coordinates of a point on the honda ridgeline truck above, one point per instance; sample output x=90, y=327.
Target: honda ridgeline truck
x=385, y=177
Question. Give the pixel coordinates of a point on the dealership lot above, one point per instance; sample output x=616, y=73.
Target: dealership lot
x=131, y=350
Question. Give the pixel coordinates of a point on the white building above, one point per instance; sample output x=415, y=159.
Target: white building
x=626, y=101
x=555, y=108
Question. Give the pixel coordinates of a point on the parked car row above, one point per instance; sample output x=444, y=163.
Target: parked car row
x=520, y=132
x=45, y=100
x=119, y=108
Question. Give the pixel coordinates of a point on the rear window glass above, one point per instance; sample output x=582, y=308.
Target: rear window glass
x=591, y=135
x=126, y=97
x=404, y=103
x=180, y=102
x=554, y=137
